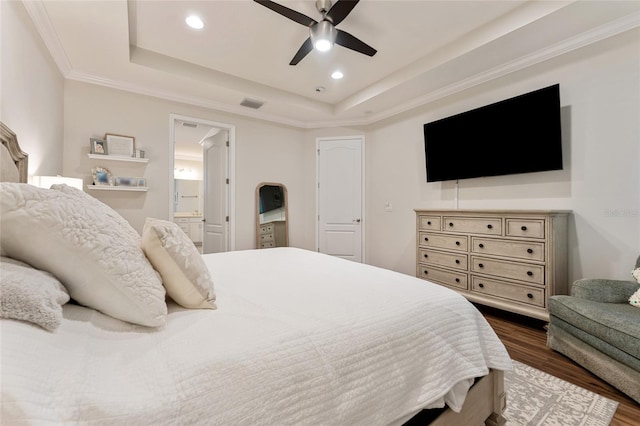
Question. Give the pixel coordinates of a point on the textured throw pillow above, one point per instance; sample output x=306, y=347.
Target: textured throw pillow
x=91, y=249
x=184, y=273
x=28, y=294
x=635, y=297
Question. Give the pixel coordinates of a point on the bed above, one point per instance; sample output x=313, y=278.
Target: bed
x=285, y=336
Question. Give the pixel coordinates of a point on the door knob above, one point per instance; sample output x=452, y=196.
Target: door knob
x=357, y=220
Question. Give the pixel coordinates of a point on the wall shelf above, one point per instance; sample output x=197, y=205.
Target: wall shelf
x=117, y=188
x=117, y=158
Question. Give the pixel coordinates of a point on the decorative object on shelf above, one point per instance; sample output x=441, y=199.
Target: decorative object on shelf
x=126, y=181
x=102, y=176
x=139, y=153
x=47, y=181
x=120, y=145
x=142, y=182
x=98, y=146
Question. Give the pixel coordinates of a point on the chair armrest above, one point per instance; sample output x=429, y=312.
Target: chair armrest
x=602, y=290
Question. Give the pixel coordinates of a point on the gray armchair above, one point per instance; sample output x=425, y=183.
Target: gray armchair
x=597, y=328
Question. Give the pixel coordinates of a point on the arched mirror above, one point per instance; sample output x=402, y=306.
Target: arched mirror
x=271, y=215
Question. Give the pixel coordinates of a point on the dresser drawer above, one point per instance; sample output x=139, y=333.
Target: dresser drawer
x=266, y=237
x=448, y=260
x=532, y=228
x=181, y=220
x=266, y=229
x=267, y=244
x=518, y=249
x=449, y=278
x=505, y=290
x=503, y=268
x=431, y=223
x=449, y=242
x=473, y=225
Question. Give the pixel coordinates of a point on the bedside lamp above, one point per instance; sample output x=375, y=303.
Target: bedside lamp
x=47, y=181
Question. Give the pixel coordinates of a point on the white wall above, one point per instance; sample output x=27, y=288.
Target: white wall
x=32, y=90
x=264, y=152
x=600, y=98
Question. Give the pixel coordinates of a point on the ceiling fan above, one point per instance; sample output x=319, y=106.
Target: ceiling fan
x=323, y=34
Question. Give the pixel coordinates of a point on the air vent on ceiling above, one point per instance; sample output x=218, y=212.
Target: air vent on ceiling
x=251, y=103
x=185, y=124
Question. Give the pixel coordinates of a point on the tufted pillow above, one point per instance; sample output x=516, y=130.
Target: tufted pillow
x=634, y=300
x=28, y=294
x=184, y=273
x=91, y=249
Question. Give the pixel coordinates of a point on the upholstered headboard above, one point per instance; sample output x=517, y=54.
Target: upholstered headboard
x=13, y=161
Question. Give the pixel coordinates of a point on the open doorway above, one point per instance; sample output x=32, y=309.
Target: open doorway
x=201, y=186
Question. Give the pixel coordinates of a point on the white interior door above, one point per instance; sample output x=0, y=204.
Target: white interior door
x=216, y=187
x=340, y=197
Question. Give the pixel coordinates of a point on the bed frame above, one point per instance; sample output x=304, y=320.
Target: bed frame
x=10, y=145
x=485, y=402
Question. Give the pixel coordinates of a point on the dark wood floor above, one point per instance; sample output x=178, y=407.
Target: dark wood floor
x=525, y=340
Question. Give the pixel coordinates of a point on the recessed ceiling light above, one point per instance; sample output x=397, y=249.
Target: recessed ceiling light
x=194, y=22
x=337, y=75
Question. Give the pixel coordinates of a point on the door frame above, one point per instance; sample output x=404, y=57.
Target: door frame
x=362, y=190
x=231, y=158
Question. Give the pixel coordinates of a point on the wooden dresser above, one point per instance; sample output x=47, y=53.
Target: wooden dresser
x=509, y=259
x=273, y=234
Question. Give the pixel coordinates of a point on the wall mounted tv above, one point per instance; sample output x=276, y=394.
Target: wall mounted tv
x=517, y=135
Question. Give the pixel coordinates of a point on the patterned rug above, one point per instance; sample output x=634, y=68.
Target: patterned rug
x=535, y=398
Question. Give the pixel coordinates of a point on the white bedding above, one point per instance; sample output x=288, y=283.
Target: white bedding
x=298, y=338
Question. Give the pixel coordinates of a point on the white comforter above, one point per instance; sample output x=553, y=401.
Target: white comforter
x=298, y=338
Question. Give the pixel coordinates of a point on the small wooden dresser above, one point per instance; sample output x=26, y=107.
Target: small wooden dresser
x=273, y=234
x=509, y=259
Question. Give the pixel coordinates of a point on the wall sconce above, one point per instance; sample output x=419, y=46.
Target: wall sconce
x=47, y=181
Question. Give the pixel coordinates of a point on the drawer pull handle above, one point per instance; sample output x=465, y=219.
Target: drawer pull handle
x=480, y=265
x=426, y=255
x=530, y=273
x=490, y=226
x=426, y=239
x=428, y=222
x=529, y=251
x=481, y=285
x=481, y=245
x=451, y=224
x=457, y=280
x=524, y=228
x=530, y=296
x=426, y=272
x=457, y=261
x=457, y=243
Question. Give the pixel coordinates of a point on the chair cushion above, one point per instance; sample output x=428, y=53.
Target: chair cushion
x=615, y=323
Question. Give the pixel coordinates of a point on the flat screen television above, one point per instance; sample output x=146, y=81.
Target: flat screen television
x=517, y=135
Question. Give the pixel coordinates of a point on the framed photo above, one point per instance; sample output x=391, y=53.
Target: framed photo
x=101, y=176
x=121, y=146
x=98, y=146
x=141, y=182
x=126, y=181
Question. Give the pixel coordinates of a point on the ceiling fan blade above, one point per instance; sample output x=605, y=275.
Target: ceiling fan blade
x=287, y=13
x=340, y=10
x=350, y=42
x=304, y=50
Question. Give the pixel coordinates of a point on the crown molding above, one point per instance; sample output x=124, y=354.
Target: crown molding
x=38, y=14
x=40, y=18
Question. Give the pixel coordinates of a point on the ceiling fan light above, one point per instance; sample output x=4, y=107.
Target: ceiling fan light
x=323, y=35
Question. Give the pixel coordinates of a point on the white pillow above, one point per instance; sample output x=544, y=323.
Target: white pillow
x=634, y=300
x=91, y=249
x=184, y=273
x=28, y=294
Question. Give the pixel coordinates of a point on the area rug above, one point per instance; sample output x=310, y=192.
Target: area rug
x=535, y=398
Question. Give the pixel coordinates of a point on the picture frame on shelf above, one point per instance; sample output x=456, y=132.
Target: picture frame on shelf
x=141, y=182
x=98, y=146
x=125, y=181
x=101, y=176
x=120, y=145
